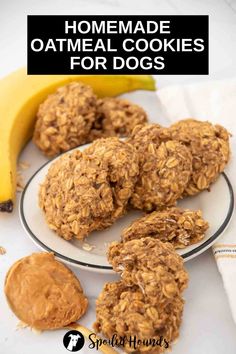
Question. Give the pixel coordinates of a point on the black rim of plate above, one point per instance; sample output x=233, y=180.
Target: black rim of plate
x=88, y=265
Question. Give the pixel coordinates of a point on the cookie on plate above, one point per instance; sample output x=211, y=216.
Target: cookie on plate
x=165, y=168
x=87, y=191
x=209, y=146
x=180, y=227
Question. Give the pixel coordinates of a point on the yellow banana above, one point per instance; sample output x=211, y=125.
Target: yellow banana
x=20, y=96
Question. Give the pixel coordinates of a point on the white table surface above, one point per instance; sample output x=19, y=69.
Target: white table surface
x=207, y=324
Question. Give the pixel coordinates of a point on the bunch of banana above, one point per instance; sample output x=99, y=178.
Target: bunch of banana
x=20, y=96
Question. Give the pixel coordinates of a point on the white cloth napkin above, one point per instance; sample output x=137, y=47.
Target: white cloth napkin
x=216, y=102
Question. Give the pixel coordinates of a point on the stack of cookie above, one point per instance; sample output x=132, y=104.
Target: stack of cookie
x=144, y=309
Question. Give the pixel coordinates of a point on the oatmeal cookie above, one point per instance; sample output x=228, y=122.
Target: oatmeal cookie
x=165, y=168
x=44, y=293
x=116, y=117
x=148, y=134
x=84, y=192
x=180, y=227
x=65, y=118
x=151, y=264
x=121, y=161
x=128, y=313
x=209, y=145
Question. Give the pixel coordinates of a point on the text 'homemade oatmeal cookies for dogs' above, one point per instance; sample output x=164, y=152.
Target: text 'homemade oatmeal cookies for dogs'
x=87, y=191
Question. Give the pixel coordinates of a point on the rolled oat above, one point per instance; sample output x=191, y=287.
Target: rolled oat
x=209, y=146
x=88, y=191
x=165, y=168
x=127, y=312
x=180, y=227
x=65, y=118
x=151, y=264
x=116, y=117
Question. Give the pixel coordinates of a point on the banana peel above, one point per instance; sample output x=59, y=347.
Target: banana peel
x=20, y=96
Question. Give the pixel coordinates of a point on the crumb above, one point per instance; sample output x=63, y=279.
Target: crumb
x=21, y=325
x=20, y=185
x=23, y=165
x=35, y=330
x=87, y=246
x=2, y=250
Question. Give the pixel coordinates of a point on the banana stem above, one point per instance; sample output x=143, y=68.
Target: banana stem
x=106, y=349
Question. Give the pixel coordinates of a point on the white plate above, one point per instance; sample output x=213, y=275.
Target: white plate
x=217, y=207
